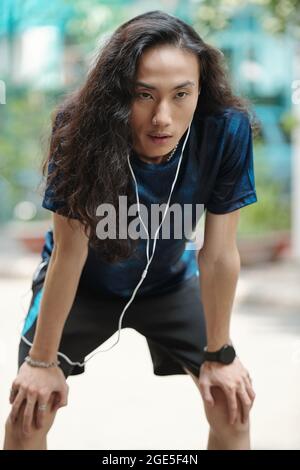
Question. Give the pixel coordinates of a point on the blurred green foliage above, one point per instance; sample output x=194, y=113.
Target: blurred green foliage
x=275, y=16
x=272, y=209
x=25, y=120
x=25, y=130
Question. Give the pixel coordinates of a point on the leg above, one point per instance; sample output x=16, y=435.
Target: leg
x=222, y=434
x=15, y=439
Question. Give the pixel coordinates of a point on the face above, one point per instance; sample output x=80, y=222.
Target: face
x=166, y=96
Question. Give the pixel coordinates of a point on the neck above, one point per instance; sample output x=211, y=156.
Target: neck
x=157, y=160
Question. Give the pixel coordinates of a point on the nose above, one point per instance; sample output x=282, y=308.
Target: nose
x=162, y=116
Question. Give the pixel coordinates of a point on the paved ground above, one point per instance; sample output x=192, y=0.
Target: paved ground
x=120, y=404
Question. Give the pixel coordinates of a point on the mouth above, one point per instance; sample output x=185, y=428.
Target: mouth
x=161, y=140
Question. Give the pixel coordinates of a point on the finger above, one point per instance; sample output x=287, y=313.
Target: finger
x=245, y=402
x=232, y=404
x=28, y=413
x=56, y=401
x=250, y=391
x=41, y=409
x=206, y=394
x=20, y=397
x=12, y=395
x=62, y=399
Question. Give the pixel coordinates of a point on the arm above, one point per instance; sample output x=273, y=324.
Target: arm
x=219, y=260
x=37, y=384
x=65, y=267
x=219, y=265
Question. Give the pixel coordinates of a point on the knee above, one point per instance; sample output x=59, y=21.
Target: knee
x=218, y=418
x=225, y=428
x=15, y=430
x=13, y=436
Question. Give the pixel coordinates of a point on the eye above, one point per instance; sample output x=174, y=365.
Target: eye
x=142, y=93
x=180, y=92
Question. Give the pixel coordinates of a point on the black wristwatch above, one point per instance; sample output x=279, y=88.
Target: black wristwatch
x=225, y=355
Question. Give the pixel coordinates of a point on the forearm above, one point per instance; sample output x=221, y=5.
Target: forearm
x=218, y=281
x=59, y=291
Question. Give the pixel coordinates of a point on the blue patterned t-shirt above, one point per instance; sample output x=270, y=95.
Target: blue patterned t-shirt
x=216, y=171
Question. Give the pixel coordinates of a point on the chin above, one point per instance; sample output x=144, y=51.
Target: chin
x=160, y=152
x=148, y=154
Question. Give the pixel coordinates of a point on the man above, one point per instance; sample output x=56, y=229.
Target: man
x=188, y=137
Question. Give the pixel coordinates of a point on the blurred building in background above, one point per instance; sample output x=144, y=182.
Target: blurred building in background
x=46, y=49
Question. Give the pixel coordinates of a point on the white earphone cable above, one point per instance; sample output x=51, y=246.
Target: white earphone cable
x=144, y=274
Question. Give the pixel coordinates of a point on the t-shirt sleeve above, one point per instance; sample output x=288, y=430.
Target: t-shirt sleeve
x=235, y=183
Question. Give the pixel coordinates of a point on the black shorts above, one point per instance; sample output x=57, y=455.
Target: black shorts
x=173, y=324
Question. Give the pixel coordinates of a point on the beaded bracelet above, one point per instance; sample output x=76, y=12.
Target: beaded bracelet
x=35, y=363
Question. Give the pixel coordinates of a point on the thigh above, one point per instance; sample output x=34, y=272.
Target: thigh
x=174, y=326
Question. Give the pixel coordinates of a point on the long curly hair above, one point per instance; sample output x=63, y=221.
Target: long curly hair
x=91, y=134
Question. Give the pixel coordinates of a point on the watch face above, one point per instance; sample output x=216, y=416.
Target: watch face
x=227, y=354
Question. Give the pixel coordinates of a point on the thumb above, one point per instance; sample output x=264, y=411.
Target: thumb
x=56, y=401
x=206, y=394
